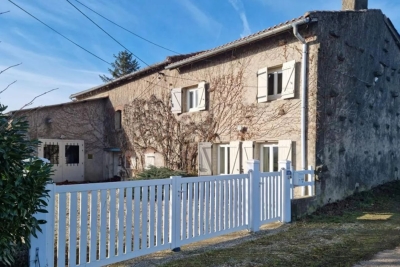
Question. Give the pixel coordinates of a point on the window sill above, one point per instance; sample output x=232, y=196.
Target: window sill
x=274, y=97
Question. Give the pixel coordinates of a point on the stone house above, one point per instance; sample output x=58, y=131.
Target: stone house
x=72, y=136
x=319, y=90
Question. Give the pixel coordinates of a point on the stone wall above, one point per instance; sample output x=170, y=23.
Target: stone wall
x=273, y=120
x=73, y=121
x=358, y=106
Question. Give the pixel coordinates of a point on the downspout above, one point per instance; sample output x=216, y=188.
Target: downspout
x=303, y=94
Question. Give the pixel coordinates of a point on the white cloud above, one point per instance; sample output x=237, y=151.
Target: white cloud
x=238, y=6
x=203, y=20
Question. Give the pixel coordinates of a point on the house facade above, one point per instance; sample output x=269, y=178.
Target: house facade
x=319, y=90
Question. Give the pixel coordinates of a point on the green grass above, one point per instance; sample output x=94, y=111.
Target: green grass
x=339, y=234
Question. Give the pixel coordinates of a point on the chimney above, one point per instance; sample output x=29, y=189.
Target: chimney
x=354, y=4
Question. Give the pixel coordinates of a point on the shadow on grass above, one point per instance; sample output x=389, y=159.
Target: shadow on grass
x=338, y=234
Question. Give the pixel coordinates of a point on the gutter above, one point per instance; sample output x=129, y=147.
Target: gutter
x=236, y=44
x=304, y=61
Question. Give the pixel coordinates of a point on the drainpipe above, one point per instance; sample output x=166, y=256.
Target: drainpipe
x=303, y=94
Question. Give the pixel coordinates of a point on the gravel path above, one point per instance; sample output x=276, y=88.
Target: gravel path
x=387, y=258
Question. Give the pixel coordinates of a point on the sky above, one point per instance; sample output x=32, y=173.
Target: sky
x=49, y=61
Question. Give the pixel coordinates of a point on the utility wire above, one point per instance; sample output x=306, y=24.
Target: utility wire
x=58, y=32
x=137, y=35
x=106, y=32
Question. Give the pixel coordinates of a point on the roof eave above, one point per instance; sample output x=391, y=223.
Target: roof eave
x=237, y=44
x=121, y=79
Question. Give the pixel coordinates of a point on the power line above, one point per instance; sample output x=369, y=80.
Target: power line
x=135, y=34
x=58, y=32
x=106, y=32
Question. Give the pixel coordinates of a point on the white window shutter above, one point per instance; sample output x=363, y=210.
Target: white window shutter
x=262, y=85
x=285, y=150
x=202, y=95
x=205, y=158
x=176, y=100
x=247, y=154
x=288, y=79
x=234, y=157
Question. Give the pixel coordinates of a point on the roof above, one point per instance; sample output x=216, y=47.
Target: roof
x=57, y=105
x=152, y=68
x=287, y=25
x=242, y=41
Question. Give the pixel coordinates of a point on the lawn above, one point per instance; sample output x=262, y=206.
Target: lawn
x=339, y=234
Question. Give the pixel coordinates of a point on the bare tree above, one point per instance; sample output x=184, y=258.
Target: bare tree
x=149, y=123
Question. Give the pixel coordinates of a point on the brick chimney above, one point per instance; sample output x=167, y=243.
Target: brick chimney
x=354, y=4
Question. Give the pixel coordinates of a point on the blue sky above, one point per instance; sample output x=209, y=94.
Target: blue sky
x=49, y=61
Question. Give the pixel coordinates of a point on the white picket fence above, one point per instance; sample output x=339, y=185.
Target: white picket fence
x=100, y=224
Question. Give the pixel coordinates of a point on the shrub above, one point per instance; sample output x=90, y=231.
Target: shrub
x=22, y=186
x=159, y=173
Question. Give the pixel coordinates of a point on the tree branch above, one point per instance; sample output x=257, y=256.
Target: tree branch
x=8, y=86
x=10, y=67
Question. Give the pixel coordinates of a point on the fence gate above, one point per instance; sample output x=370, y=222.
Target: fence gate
x=104, y=223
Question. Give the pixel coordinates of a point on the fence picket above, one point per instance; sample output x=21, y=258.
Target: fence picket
x=129, y=217
x=167, y=213
x=201, y=204
x=184, y=232
x=152, y=221
x=103, y=224
x=83, y=229
x=62, y=209
x=190, y=210
x=121, y=219
x=212, y=205
x=206, y=207
x=225, y=205
x=145, y=190
x=159, y=215
x=111, y=223
x=218, y=207
x=196, y=209
x=72, y=229
x=93, y=226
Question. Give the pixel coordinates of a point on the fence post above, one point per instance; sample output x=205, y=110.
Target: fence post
x=176, y=197
x=311, y=188
x=254, y=208
x=286, y=201
x=41, y=252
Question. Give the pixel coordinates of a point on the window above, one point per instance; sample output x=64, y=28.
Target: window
x=269, y=158
x=192, y=99
x=275, y=83
x=149, y=161
x=224, y=159
x=51, y=152
x=72, y=154
x=188, y=99
x=118, y=119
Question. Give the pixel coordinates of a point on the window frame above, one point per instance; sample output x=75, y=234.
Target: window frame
x=275, y=71
x=195, y=91
x=271, y=157
x=227, y=159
